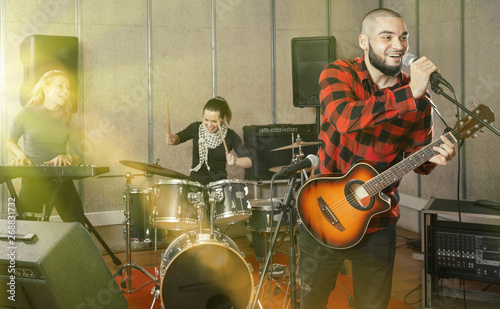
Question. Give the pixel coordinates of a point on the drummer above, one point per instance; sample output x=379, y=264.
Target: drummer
x=209, y=154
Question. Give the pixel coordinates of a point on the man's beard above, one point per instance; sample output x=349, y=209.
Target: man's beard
x=381, y=65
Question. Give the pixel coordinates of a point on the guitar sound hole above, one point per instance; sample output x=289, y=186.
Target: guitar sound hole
x=357, y=196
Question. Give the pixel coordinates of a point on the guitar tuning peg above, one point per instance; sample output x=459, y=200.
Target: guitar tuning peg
x=475, y=105
x=474, y=135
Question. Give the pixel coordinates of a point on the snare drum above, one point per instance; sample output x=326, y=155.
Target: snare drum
x=197, y=269
x=263, y=215
x=231, y=200
x=174, y=204
x=139, y=215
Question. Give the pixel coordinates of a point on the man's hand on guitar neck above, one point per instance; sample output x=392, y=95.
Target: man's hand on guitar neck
x=446, y=152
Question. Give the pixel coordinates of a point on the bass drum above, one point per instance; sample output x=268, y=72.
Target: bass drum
x=200, y=272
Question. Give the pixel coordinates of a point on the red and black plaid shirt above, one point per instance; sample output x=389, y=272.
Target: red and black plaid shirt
x=362, y=122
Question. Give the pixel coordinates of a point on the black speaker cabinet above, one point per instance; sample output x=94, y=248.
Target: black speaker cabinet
x=43, y=53
x=260, y=140
x=60, y=267
x=309, y=57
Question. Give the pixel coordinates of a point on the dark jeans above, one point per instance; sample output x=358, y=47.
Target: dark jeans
x=37, y=192
x=372, y=266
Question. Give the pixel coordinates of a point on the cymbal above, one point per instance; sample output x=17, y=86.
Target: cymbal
x=276, y=169
x=297, y=144
x=154, y=169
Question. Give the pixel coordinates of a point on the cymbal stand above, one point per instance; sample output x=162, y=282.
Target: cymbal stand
x=288, y=203
x=129, y=265
x=155, y=291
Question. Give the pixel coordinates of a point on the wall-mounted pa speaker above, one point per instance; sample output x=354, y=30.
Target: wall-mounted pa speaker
x=54, y=265
x=43, y=53
x=309, y=57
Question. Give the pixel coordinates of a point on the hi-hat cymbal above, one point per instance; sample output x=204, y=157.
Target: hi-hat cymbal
x=276, y=169
x=154, y=169
x=297, y=144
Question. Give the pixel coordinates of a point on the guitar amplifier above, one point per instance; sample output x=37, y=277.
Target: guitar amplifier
x=260, y=140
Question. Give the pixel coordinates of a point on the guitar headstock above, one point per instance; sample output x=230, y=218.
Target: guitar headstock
x=469, y=125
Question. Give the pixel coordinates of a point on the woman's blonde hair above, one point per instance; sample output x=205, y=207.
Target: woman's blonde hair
x=38, y=96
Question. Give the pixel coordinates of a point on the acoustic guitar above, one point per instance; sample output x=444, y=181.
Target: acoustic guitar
x=337, y=210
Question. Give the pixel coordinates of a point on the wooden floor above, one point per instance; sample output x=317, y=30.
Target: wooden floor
x=407, y=271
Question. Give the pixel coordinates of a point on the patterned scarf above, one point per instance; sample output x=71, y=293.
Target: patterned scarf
x=207, y=141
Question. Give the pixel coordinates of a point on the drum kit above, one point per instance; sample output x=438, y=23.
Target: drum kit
x=202, y=261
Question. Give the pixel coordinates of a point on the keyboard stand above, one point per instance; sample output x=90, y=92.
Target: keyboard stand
x=13, y=195
x=48, y=211
x=90, y=227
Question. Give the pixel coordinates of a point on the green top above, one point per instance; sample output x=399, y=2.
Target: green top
x=45, y=135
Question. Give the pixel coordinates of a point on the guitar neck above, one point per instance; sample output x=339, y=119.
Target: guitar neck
x=393, y=174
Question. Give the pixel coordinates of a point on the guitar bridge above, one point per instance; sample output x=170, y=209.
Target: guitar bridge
x=329, y=215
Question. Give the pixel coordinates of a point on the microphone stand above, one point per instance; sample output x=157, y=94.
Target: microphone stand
x=288, y=204
x=439, y=91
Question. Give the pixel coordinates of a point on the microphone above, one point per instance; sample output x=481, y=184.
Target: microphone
x=310, y=161
x=435, y=78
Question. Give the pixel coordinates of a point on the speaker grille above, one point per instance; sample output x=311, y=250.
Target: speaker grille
x=42, y=53
x=61, y=268
x=260, y=140
x=309, y=56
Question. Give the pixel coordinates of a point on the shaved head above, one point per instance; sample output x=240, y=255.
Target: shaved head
x=370, y=19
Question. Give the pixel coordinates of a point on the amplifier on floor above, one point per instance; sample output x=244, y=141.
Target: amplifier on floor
x=260, y=140
x=480, y=247
x=56, y=265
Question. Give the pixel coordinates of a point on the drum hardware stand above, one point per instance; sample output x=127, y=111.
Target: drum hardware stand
x=155, y=291
x=285, y=274
x=129, y=265
x=197, y=199
x=268, y=274
x=288, y=204
x=214, y=198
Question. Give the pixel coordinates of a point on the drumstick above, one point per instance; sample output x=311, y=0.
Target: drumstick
x=222, y=136
x=168, y=115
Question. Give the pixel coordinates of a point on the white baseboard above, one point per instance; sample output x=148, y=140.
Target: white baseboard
x=102, y=218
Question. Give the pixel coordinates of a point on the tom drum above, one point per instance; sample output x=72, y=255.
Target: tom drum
x=174, y=204
x=231, y=204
